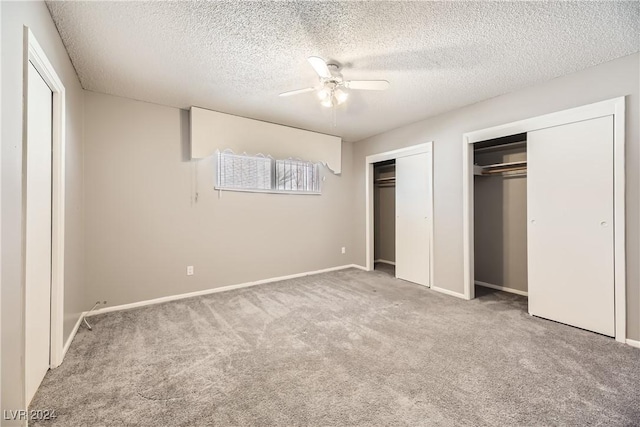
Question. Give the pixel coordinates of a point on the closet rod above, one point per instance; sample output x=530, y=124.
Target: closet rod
x=500, y=166
x=499, y=171
x=385, y=179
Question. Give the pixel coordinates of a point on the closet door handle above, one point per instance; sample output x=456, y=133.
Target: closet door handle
x=604, y=223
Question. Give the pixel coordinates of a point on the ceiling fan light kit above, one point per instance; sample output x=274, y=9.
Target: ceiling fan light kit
x=331, y=96
x=330, y=92
x=323, y=94
x=340, y=96
x=335, y=99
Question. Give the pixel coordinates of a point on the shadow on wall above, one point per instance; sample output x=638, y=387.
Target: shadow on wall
x=500, y=224
x=384, y=213
x=488, y=229
x=185, y=135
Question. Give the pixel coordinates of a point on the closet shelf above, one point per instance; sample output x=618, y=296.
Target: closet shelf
x=507, y=146
x=385, y=182
x=500, y=168
x=389, y=166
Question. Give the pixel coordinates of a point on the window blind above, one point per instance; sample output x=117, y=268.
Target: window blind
x=263, y=173
x=297, y=175
x=243, y=172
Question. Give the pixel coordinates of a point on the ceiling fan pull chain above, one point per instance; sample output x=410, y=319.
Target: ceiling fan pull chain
x=333, y=113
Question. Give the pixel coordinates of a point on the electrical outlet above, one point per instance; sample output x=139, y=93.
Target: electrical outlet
x=190, y=270
x=344, y=250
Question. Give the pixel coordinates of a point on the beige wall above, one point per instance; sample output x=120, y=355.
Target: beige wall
x=605, y=81
x=212, y=131
x=144, y=226
x=500, y=210
x=36, y=16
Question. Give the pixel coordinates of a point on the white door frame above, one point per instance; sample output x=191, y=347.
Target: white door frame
x=615, y=107
x=33, y=53
x=427, y=147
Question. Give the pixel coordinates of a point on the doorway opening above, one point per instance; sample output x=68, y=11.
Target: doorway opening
x=572, y=243
x=384, y=200
x=500, y=219
x=399, y=213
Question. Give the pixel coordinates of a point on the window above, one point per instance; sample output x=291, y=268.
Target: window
x=236, y=171
x=297, y=175
x=261, y=173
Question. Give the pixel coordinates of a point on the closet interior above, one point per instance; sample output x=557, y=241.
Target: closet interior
x=384, y=200
x=544, y=221
x=500, y=208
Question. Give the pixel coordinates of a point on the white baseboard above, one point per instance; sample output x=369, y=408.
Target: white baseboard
x=633, y=343
x=448, y=292
x=384, y=261
x=216, y=290
x=501, y=288
x=72, y=335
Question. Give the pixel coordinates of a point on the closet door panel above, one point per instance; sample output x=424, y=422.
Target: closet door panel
x=570, y=224
x=413, y=216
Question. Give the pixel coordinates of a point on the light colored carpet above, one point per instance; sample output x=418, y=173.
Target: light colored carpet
x=383, y=267
x=340, y=349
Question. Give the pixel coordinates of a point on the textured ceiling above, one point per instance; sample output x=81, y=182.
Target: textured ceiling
x=236, y=57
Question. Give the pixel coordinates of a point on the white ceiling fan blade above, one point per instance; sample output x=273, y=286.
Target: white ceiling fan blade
x=320, y=66
x=295, y=92
x=367, y=84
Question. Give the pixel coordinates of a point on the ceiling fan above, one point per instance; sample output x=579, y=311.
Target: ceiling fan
x=331, y=87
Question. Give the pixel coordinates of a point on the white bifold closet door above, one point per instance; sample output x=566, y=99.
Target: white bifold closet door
x=38, y=233
x=413, y=216
x=570, y=229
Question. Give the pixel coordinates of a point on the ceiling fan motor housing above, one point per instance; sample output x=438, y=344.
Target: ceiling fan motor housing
x=336, y=76
x=332, y=82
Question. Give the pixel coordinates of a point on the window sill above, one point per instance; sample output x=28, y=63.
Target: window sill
x=242, y=190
